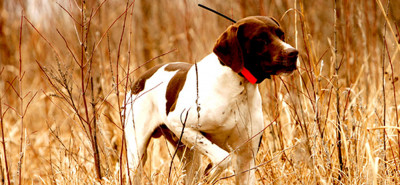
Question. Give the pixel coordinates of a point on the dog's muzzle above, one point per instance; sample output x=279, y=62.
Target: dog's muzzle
x=290, y=57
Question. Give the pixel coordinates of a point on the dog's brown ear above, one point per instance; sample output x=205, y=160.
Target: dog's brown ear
x=228, y=49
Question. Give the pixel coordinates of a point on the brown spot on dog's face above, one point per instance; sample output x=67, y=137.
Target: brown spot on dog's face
x=176, y=83
x=138, y=86
x=264, y=52
x=256, y=43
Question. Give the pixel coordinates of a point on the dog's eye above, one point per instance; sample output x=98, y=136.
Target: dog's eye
x=280, y=34
x=260, y=43
x=264, y=42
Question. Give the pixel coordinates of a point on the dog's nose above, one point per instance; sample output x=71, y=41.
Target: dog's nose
x=291, y=53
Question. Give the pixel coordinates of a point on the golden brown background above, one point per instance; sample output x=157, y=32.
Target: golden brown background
x=63, y=69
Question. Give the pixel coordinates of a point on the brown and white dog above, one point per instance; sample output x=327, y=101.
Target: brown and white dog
x=218, y=110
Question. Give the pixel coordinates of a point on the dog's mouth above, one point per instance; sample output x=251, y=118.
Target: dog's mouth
x=288, y=69
x=286, y=65
x=282, y=63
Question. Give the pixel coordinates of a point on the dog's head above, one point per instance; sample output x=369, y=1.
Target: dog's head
x=256, y=45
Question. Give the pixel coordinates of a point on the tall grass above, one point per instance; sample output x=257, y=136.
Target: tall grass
x=66, y=66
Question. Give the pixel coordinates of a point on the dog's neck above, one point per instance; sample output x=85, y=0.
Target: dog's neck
x=245, y=73
x=223, y=74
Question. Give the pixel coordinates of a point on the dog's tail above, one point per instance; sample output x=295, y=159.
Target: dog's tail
x=130, y=134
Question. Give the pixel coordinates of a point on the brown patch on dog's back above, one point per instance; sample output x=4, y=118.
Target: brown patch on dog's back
x=178, y=66
x=176, y=83
x=138, y=86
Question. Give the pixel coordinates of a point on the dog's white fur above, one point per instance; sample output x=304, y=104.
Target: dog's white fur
x=230, y=113
x=228, y=121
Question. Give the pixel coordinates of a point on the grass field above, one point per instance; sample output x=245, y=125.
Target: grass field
x=65, y=66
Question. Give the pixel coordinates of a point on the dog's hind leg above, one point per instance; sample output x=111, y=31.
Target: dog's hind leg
x=139, y=127
x=137, y=138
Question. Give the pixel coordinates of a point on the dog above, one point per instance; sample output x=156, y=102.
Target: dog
x=213, y=107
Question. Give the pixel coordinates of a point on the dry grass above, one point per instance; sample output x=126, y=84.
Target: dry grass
x=63, y=79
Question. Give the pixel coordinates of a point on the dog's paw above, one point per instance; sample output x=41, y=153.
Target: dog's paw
x=213, y=171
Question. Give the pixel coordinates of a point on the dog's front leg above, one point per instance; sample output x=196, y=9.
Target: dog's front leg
x=192, y=137
x=245, y=161
x=192, y=161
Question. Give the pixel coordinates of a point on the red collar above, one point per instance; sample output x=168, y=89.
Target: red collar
x=246, y=73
